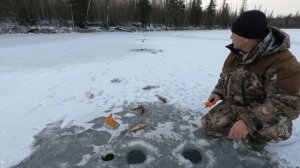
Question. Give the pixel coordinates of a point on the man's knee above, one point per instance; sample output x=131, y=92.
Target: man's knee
x=209, y=127
x=218, y=116
x=214, y=129
x=206, y=124
x=217, y=121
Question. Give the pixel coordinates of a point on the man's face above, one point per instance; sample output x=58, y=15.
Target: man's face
x=238, y=41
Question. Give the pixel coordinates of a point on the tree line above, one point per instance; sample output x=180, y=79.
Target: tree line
x=168, y=13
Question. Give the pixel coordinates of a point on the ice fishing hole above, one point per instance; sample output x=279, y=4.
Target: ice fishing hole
x=192, y=155
x=108, y=156
x=136, y=156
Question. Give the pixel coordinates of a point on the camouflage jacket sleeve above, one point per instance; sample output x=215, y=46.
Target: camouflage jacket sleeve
x=279, y=108
x=218, y=88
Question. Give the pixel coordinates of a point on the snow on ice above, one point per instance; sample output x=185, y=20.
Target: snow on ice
x=44, y=79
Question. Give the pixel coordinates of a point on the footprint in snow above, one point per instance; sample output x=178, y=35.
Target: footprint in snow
x=209, y=74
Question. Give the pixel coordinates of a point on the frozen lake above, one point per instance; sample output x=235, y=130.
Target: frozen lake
x=44, y=79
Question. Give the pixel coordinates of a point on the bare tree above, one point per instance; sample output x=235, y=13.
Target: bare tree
x=243, y=6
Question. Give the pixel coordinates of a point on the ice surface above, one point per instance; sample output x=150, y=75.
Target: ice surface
x=74, y=146
x=44, y=78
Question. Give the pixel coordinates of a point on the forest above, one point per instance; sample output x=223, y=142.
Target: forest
x=176, y=14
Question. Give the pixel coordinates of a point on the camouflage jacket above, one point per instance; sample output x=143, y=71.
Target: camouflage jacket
x=263, y=84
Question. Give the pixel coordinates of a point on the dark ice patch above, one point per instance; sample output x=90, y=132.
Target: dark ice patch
x=135, y=157
x=163, y=142
x=192, y=155
x=108, y=156
x=153, y=51
x=63, y=147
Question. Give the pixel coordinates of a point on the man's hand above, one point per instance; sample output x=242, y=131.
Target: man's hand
x=239, y=130
x=214, y=98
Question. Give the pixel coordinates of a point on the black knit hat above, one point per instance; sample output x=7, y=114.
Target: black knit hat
x=251, y=24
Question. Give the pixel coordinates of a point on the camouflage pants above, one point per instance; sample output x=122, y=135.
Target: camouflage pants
x=219, y=120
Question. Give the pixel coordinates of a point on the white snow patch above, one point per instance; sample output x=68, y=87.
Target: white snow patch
x=85, y=160
x=150, y=148
x=210, y=155
x=202, y=142
x=129, y=115
x=163, y=130
x=177, y=152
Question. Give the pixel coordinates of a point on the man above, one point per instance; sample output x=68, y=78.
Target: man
x=259, y=85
